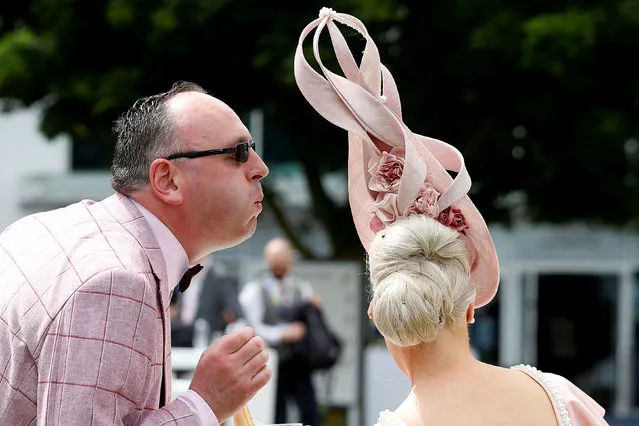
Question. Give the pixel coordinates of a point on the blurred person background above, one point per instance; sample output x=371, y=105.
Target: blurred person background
x=210, y=306
x=271, y=303
x=543, y=93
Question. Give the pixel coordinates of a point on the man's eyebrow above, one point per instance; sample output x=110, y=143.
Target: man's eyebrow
x=241, y=139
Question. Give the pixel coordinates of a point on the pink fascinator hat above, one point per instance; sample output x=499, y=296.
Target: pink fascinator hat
x=392, y=171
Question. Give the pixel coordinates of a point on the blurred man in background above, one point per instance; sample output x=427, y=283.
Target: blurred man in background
x=209, y=307
x=270, y=304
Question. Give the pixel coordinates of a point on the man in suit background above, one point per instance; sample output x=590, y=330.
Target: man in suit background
x=212, y=297
x=85, y=290
x=270, y=304
x=219, y=304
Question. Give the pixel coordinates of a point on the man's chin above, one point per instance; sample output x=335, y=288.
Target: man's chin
x=232, y=242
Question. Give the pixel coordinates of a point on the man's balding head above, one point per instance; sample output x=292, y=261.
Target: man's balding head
x=278, y=255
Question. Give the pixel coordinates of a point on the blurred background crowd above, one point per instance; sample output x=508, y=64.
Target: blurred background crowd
x=541, y=97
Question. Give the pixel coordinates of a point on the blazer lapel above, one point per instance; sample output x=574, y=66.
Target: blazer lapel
x=128, y=215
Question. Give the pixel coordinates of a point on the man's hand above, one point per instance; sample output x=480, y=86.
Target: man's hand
x=231, y=371
x=294, y=332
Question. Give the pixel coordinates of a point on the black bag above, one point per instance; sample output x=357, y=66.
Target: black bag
x=320, y=348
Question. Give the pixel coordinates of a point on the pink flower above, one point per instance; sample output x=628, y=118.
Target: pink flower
x=385, y=211
x=425, y=202
x=385, y=172
x=453, y=218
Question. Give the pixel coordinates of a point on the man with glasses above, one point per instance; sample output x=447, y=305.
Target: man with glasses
x=85, y=290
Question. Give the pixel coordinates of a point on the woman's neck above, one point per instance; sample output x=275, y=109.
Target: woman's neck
x=446, y=358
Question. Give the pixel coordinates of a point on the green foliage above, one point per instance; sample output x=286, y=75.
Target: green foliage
x=552, y=39
x=541, y=97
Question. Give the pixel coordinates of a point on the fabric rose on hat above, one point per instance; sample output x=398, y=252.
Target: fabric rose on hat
x=453, y=218
x=386, y=211
x=425, y=202
x=386, y=171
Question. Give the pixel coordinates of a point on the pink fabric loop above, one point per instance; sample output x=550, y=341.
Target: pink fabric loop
x=368, y=76
x=344, y=56
x=390, y=91
x=452, y=160
x=382, y=120
x=365, y=102
x=414, y=175
x=319, y=92
x=367, y=108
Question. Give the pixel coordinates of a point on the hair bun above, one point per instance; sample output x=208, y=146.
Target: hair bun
x=419, y=271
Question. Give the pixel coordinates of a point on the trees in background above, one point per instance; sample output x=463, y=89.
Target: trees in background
x=541, y=97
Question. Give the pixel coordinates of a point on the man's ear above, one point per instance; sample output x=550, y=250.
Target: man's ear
x=164, y=177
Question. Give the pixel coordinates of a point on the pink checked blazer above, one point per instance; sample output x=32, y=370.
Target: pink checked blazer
x=84, y=322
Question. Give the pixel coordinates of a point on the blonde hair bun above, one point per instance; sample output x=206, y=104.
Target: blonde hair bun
x=419, y=272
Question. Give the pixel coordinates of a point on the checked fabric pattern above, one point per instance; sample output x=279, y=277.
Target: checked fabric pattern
x=84, y=321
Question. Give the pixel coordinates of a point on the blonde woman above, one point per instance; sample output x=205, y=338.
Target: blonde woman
x=431, y=259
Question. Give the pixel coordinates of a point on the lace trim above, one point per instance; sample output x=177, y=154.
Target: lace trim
x=389, y=418
x=552, y=388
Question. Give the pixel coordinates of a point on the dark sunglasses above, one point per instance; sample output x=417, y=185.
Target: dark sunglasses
x=240, y=150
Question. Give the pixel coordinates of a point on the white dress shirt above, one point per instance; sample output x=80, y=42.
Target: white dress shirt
x=177, y=263
x=282, y=291
x=190, y=300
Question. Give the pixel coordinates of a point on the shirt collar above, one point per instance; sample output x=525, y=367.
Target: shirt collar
x=271, y=281
x=175, y=258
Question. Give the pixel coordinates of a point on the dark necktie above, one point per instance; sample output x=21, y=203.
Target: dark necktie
x=185, y=281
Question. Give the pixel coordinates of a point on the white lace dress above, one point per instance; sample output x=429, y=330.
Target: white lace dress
x=388, y=418
x=572, y=406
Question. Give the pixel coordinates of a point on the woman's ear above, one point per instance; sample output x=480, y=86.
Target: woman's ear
x=470, y=314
